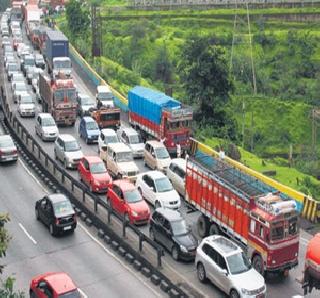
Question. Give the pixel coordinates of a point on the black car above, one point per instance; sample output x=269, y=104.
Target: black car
x=170, y=229
x=56, y=212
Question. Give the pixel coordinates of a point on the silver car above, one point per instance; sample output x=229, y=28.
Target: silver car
x=46, y=127
x=11, y=69
x=130, y=137
x=177, y=173
x=226, y=265
x=18, y=88
x=8, y=149
x=26, y=107
x=68, y=151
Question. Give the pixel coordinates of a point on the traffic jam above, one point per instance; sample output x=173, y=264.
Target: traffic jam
x=245, y=229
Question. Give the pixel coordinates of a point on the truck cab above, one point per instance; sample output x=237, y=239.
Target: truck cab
x=62, y=65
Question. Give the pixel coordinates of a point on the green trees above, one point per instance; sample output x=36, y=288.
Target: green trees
x=205, y=78
x=77, y=17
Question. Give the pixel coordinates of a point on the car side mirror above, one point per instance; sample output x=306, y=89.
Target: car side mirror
x=224, y=272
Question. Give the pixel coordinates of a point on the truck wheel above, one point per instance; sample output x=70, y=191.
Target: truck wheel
x=257, y=263
x=214, y=230
x=203, y=226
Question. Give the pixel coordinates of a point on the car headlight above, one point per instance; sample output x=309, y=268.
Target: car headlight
x=183, y=248
x=245, y=291
x=134, y=213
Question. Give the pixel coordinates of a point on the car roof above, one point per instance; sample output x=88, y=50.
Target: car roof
x=108, y=132
x=155, y=143
x=129, y=131
x=155, y=174
x=93, y=158
x=119, y=147
x=124, y=184
x=59, y=281
x=169, y=214
x=103, y=88
x=57, y=197
x=223, y=245
x=181, y=162
x=66, y=137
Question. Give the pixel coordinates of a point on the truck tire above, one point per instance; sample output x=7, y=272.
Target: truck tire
x=214, y=230
x=203, y=225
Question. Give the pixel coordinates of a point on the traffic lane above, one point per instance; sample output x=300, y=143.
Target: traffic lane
x=32, y=250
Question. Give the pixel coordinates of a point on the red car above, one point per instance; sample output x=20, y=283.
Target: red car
x=53, y=284
x=93, y=172
x=125, y=199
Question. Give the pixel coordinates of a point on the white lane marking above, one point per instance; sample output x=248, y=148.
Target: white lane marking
x=82, y=293
x=34, y=177
x=26, y=232
x=118, y=259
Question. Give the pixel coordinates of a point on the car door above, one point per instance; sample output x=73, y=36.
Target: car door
x=146, y=190
x=59, y=149
x=167, y=234
x=172, y=174
x=147, y=154
x=38, y=125
x=212, y=266
x=222, y=277
x=48, y=212
x=180, y=180
x=157, y=226
x=85, y=171
x=121, y=207
x=41, y=208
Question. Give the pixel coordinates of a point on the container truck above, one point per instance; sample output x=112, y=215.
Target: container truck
x=32, y=16
x=58, y=97
x=159, y=116
x=312, y=265
x=16, y=11
x=253, y=214
x=57, y=53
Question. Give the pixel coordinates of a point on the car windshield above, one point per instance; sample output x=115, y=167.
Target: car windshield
x=179, y=227
x=27, y=99
x=134, y=139
x=238, y=263
x=124, y=156
x=62, y=207
x=72, y=146
x=62, y=64
x=21, y=87
x=72, y=294
x=163, y=184
x=86, y=101
x=6, y=142
x=132, y=196
x=111, y=139
x=92, y=125
x=18, y=78
x=97, y=168
x=29, y=61
x=105, y=96
x=13, y=67
x=161, y=153
x=48, y=122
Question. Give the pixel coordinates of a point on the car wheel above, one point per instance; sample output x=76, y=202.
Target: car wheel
x=32, y=294
x=157, y=205
x=201, y=272
x=126, y=217
x=234, y=294
x=37, y=213
x=65, y=164
x=151, y=234
x=175, y=253
x=52, y=230
x=257, y=263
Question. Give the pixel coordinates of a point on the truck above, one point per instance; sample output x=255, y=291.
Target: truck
x=159, y=116
x=58, y=97
x=32, y=15
x=106, y=117
x=16, y=11
x=262, y=220
x=312, y=266
x=56, y=53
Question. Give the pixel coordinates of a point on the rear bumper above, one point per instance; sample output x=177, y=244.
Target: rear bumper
x=8, y=158
x=286, y=266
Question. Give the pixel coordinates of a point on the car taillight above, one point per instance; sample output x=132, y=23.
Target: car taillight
x=14, y=151
x=1, y=152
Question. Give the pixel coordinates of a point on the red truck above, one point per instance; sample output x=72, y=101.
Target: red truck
x=257, y=217
x=312, y=265
x=58, y=97
x=159, y=116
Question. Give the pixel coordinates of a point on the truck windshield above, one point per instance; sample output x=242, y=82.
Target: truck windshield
x=60, y=95
x=110, y=117
x=161, y=153
x=105, y=96
x=238, y=263
x=277, y=231
x=62, y=64
x=124, y=156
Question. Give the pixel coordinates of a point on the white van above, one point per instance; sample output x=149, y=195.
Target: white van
x=105, y=96
x=156, y=156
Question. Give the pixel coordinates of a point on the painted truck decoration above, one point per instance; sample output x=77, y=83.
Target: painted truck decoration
x=160, y=116
x=58, y=98
x=253, y=214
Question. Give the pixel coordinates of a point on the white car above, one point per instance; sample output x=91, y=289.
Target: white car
x=46, y=127
x=130, y=137
x=19, y=88
x=177, y=173
x=157, y=189
x=227, y=266
x=26, y=107
x=107, y=136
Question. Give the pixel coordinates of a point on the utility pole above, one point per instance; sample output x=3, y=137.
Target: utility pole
x=96, y=33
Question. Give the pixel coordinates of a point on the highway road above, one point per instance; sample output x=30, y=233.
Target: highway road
x=32, y=250
x=287, y=287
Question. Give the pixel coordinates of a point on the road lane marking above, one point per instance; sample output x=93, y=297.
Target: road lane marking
x=118, y=259
x=26, y=232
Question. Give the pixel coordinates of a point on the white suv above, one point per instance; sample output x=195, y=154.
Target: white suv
x=130, y=137
x=226, y=265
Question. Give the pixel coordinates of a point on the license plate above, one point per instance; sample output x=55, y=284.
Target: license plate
x=67, y=228
x=9, y=158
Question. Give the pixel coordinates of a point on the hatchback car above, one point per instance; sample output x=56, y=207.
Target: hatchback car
x=156, y=156
x=84, y=104
x=130, y=137
x=12, y=68
x=27, y=61
x=53, y=285
x=56, y=212
x=177, y=173
x=125, y=199
x=227, y=266
x=169, y=228
x=156, y=188
x=107, y=136
x=93, y=173
x=18, y=89
x=26, y=105
x=8, y=150
x=68, y=151
x=46, y=127
x=89, y=130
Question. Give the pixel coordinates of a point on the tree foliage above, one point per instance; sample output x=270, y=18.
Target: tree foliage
x=4, y=4
x=204, y=75
x=77, y=17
